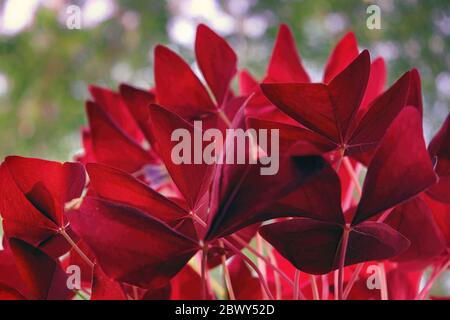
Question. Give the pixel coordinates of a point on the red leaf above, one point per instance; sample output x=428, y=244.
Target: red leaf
x=87, y=153
x=309, y=104
x=318, y=198
x=7, y=293
x=216, y=60
x=325, y=109
x=313, y=246
x=374, y=241
x=258, y=106
x=104, y=132
x=400, y=168
x=9, y=274
x=344, y=53
x=129, y=245
x=240, y=195
x=113, y=105
x=310, y=245
x=34, y=193
x=44, y=277
x=415, y=91
x=117, y=186
x=376, y=83
x=247, y=84
x=177, y=87
x=285, y=63
x=379, y=116
x=138, y=102
x=329, y=110
x=294, y=140
x=104, y=288
x=347, y=90
x=57, y=245
x=186, y=285
x=414, y=220
x=192, y=179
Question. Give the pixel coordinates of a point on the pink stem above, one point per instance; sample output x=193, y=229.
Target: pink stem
x=76, y=247
x=429, y=285
x=385, y=215
x=353, y=279
x=224, y=118
x=314, y=287
x=257, y=254
x=325, y=287
x=276, y=276
x=383, y=280
x=336, y=280
x=226, y=275
x=339, y=162
x=353, y=175
x=252, y=265
x=342, y=255
x=261, y=267
x=203, y=272
x=296, y=285
x=249, y=248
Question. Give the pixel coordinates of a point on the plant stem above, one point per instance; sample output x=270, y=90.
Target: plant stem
x=257, y=254
x=79, y=294
x=353, y=279
x=385, y=215
x=314, y=287
x=197, y=219
x=342, y=255
x=276, y=276
x=298, y=294
x=341, y=157
x=224, y=117
x=336, y=281
x=215, y=287
x=353, y=175
x=296, y=285
x=203, y=271
x=248, y=247
x=76, y=247
x=383, y=281
x=73, y=204
x=252, y=265
x=325, y=287
x=261, y=267
x=226, y=275
x=135, y=293
x=434, y=276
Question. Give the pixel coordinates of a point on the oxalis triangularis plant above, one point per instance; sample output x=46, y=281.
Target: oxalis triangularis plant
x=358, y=208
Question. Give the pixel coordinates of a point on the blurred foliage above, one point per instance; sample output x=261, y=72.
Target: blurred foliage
x=48, y=66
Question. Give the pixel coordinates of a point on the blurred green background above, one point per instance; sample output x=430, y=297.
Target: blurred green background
x=45, y=67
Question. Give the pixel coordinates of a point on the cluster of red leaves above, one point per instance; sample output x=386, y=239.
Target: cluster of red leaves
x=142, y=227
